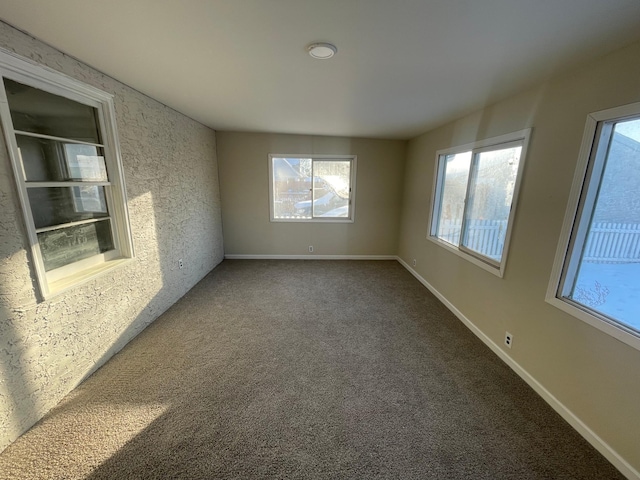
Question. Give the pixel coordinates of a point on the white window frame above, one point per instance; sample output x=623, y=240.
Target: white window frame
x=574, y=228
x=520, y=137
x=56, y=281
x=313, y=157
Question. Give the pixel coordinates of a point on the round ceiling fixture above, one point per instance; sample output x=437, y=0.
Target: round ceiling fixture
x=322, y=51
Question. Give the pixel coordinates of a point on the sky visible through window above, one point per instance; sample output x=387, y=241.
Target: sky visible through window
x=630, y=128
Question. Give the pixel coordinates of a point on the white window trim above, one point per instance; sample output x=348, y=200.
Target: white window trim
x=352, y=196
x=492, y=266
x=23, y=70
x=562, y=256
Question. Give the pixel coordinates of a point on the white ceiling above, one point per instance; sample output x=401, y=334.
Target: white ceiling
x=402, y=67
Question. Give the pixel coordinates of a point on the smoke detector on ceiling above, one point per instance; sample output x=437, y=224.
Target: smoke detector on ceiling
x=322, y=51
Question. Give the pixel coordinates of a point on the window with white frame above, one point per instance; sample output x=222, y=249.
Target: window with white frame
x=597, y=270
x=475, y=192
x=318, y=188
x=62, y=143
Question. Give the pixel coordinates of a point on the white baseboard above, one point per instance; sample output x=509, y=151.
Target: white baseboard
x=233, y=256
x=589, y=435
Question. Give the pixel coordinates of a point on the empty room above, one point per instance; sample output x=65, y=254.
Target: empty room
x=338, y=239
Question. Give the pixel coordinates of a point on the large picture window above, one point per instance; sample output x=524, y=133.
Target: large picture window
x=597, y=271
x=474, y=196
x=61, y=139
x=312, y=188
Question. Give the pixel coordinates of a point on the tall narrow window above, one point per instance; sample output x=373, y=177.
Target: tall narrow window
x=68, y=175
x=314, y=188
x=597, y=273
x=475, y=190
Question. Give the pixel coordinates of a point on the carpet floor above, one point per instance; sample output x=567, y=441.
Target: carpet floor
x=304, y=369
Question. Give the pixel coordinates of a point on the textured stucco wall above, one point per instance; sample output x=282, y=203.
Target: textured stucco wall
x=170, y=169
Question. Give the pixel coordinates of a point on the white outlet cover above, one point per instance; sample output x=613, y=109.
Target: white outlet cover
x=508, y=339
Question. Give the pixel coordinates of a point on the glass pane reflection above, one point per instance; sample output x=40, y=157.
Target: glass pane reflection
x=37, y=111
x=63, y=246
x=59, y=205
x=489, y=202
x=454, y=190
x=45, y=160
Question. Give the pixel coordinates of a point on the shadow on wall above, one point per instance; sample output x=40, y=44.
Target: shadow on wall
x=126, y=419
x=19, y=405
x=170, y=272
x=48, y=348
x=17, y=400
x=41, y=347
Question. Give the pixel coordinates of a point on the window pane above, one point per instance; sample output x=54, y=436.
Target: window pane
x=292, y=187
x=331, y=188
x=309, y=188
x=489, y=204
x=59, y=205
x=45, y=160
x=453, y=192
x=37, y=111
x=63, y=246
x=608, y=278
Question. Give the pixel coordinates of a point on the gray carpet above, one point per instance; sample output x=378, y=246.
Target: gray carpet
x=304, y=369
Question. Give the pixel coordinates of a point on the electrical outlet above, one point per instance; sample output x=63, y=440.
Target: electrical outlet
x=180, y=264
x=508, y=339
x=310, y=248
x=414, y=262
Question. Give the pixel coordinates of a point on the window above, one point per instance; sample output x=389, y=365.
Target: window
x=62, y=142
x=317, y=188
x=475, y=190
x=597, y=270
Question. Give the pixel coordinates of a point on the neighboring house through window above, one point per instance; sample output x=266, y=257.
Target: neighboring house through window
x=312, y=188
x=62, y=142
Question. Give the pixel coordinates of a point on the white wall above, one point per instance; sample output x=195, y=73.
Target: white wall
x=244, y=185
x=596, y=377
x=170, y=169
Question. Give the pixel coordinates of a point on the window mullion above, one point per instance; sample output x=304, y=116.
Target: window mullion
x=438, y=194
x=467, y=200
x=313, y=188
x=71, y=224
x=586, y=208
x=57, y=139
x=111, y=210
x=66, y=184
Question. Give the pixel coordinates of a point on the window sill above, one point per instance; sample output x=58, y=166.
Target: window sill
x=312, y=220
x=498, y=271
x=83, y=276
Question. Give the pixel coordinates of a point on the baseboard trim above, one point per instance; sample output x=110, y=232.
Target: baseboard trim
x=589, y=435
x=233, y=256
